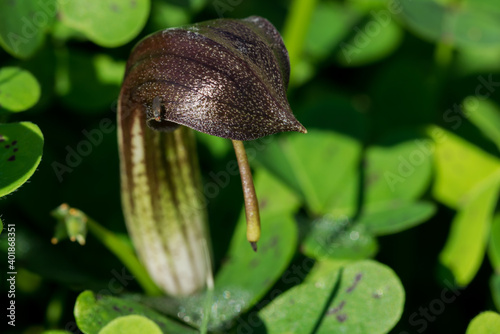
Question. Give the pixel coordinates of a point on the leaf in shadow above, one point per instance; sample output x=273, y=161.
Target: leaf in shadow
x=395, y=216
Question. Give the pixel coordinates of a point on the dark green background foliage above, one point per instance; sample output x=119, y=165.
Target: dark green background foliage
x=398, y=176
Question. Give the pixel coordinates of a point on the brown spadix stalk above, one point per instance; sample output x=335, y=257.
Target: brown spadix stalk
x=226, y=78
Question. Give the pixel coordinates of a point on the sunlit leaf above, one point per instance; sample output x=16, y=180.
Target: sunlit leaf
x=19, y=89
x=21, y=146
x=108, y=23
x=459, y=167
x=466, y=245
x=485, y=323
x=131, y=324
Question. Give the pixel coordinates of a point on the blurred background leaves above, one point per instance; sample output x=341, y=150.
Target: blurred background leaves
x=400, y=168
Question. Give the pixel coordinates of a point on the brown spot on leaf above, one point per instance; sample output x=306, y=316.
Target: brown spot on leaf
x=14, y=142
x=114, y=8
x=274, y=241
x=263, y=203
x=7, y=146
x=357, y=278
x=2, y=138
x=15, y=150
x=342, y=317
x=12, y=158
x=254, y=263
x=336, y=309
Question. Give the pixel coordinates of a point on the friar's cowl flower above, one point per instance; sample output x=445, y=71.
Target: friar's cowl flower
x=226, y=78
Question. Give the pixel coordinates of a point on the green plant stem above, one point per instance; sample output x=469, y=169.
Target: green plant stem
x=126, y=255
x=296, y=28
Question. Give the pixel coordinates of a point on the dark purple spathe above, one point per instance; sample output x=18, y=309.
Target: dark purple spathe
x=225, y=77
